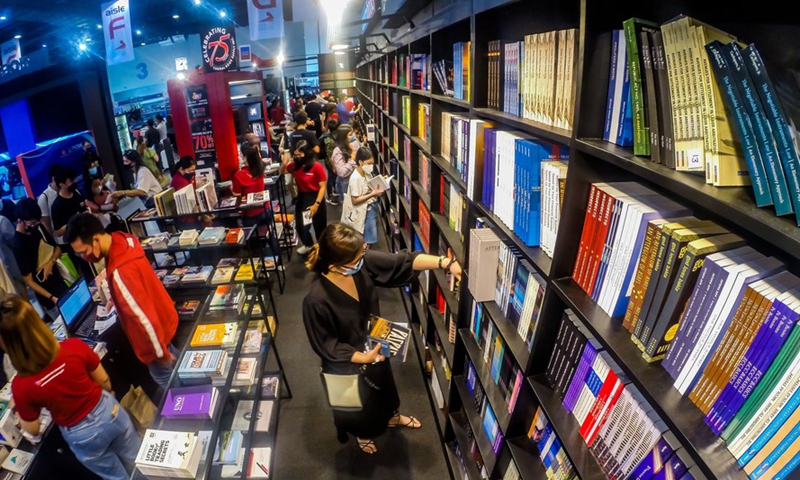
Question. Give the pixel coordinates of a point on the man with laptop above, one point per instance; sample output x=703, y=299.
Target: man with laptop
x=144, y=308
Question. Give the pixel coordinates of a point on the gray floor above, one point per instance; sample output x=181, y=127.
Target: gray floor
x=306, y=444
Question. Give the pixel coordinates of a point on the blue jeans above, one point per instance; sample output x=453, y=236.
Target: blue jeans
x=341, y=186
x=104, y=442
x=159, y=372
x=371, y=224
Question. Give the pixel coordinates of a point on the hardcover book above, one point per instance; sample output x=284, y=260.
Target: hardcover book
x=190, y=402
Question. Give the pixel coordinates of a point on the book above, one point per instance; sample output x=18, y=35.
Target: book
x=228, y=298
x=198, y=274
x=188, y=237
x=228, y=445
x=260, y=462
x=257, y=198
x=18, y=461
x=202, y=363
x=245, y=371
x=227, y=202
x=215, y=335
x=233, y=236
x=245, y=273
x=380, y=182
x=252, y=341
x=633, y=28
x=270, y=386
x=211, y=236
x=229, y=262
x=393, y=336
x=166, y=453
x=190, y=402
x=188, y=307
x=222, y=275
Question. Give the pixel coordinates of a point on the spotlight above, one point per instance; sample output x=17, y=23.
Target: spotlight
x=3, y=17
x=255, y=65
x=176, y=16
x=339, y=52
x=197, y=2
x=143, y=44
x=17, y=36
x=138, y=32
x=181, y=76
x=99, y=26
x=44, y=45
x=280, y=58
x=82, y=47
x=223, y=14
x=339, y=46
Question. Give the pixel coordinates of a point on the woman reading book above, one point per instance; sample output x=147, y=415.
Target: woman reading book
x=360, y=209
x=339, y=303
x=68, y=380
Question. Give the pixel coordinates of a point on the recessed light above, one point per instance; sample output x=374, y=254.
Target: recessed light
x=223, y=14
x=197, y=2
x=138, y=32
x=99, y=26
x=3, y=17
x=176, y=16
x=82, y=47
x=143, y=44
x=17, y=36
x=44, y=45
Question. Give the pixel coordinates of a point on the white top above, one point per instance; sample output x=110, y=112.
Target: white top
x=162, y=131
x=145, y=180
x=358, y=186
x=46, y=200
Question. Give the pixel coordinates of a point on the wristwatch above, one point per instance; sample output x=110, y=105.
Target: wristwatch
x=317, y=203
x=450, y=264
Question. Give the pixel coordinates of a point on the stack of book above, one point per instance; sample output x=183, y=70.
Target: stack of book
x=425, y=226
x=245, y=372
x=189, y=307
x=420, y=71
x=188, y=238
x=443, y=72
x=191, y=402
x=257, y=198
x=556, y=463
x=199, y=274
x=452, y=204
x=203, y=364
x=227, y=299
x=424, y=122
x=233, y=236
x=481, y=405
x=165, y=203
x=212, y=236
x=206, y=197
x=185, y=200
x=159, y=241
x=223, y=335
x=495, y=66
x=169, y=454
x=245, y=273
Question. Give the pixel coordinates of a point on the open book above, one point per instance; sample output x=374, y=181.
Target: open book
x=392, y=336
x=379, y=181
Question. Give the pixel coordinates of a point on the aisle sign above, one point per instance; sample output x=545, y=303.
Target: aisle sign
x=265, y=18
x=117, y=32
x=219, y=49
x=10, y=51
x=205, y=152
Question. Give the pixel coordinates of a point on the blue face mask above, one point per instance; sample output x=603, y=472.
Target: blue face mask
x=352, y=270
x=93, y=171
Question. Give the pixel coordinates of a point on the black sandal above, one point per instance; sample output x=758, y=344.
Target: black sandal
x=410, y=424
x=364, y=444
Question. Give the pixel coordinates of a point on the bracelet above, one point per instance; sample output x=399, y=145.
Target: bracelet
x=317, y=203
x=452, y=261
x=441, y=258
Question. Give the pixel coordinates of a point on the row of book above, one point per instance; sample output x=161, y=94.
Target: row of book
x=227, y=270
x=443, y=72
x=191, y=237
x=405, y=110
x=483, y=407
x=619, y=426
x=424, y=122
x=537, y=77
x=501, y=275
x=404, y=70
x=461, y=70
x=554, y=458
x=718, y=114
x=503, y=368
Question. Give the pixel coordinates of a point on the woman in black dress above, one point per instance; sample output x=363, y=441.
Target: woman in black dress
x=335, y=313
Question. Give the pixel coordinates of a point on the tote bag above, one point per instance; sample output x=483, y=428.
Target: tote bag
x=342, y=391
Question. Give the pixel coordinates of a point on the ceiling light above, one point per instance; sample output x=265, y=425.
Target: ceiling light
x=339, y=46
x=3, y=17
x=138, y=32
x=280, y=58
x=255, y=65
x=223, y=14
x=339, y=52
x=143, y=44
x=99, y=26
x=197, y=2
x=176, y=16
x=181, y=76
x=44, y=45
x=17, y=36
x=82, y=47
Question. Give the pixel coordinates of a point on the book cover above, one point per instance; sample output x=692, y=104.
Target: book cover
x=270, y=386
x=229, y=444
x=188, y=307
x=18, y=461
x=260, y=462
x=215, y=335
x=633, y=27
x=202, y=363
x=394, y=333
x=245, y=273
x=190, y=402
x=168, y=453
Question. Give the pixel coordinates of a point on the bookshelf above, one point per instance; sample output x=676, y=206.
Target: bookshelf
x=591, y=160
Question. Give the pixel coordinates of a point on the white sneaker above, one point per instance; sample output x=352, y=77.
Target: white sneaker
x=302, y=250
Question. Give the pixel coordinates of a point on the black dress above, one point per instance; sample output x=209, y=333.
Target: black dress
x=336, y=325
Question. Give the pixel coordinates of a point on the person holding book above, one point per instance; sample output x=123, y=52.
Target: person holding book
x=360, y=209
x=145, y=183
x=68, y=380
x=343, y=158
x=144, y=308
x=310, y=177
x=250, y=179
x=336, y=309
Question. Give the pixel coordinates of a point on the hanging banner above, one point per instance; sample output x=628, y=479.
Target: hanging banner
x=117, y=32
x=265, y=18
x=10, y=51
x=219, y=49
x=205, y=152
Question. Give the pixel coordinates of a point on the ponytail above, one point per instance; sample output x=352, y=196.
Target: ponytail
x=338, y=244
x=313, y=258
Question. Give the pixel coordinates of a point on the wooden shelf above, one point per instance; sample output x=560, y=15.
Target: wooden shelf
x=404, y=203
x=418, y=231
x=455, y=465
x=525, y=455
x=735, y=204
x=458, y=422
x=450, y=100
x=535, y=255
x=422, y=194
x=656, y=385
x=509, y=333
x=422, y=145
x=450, y=172
x=450, y=236
x=492, y=390
x=537, y=129
x=398, y=87
x=421, y=93
x=566, y=428
x=401, y=163
x=475, y=423
x=449, y=297
x=438, y=322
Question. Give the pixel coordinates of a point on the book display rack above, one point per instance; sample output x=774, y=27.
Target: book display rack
x=233, y=322
x=489, y=396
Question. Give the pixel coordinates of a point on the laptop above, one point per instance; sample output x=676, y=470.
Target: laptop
x=78, y=310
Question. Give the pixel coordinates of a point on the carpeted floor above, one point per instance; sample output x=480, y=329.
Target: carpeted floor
x=306, y=444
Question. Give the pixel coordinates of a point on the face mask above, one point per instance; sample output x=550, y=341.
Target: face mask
x=352, y=138
x=368, y=168
x=32, y=228
x=188, y=176
x=73, y=188
x=90, y=257
x=93, y=171
x=352, y=270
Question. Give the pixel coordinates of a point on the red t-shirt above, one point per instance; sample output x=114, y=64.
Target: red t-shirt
x=178, y=181
x=244, y=183
x=63, y=387
x=308, y=181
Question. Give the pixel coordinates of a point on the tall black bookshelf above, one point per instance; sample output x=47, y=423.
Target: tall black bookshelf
x=591, y=160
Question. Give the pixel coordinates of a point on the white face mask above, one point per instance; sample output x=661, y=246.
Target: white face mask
x=367, y=168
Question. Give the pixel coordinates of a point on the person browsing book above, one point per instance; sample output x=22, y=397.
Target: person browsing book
x=184, y=173
x=68, y=380
x=145, y=183
x=340, y=300
x=309, y=175
x=144, y=308
x=360, y=209
x=250, y=179
x=343, y=159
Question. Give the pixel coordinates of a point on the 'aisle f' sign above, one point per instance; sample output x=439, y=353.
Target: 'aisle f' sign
x=117, y=32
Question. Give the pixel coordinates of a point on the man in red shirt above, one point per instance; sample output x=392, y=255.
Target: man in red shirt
x=145, y=309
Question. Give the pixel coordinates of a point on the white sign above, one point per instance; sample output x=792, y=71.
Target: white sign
x=10, y=51
x=265, y=18
x=118, y=32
